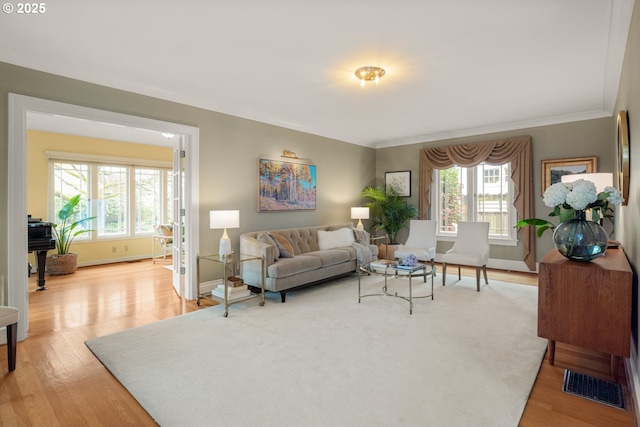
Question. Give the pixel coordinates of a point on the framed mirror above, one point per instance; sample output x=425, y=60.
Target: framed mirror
x=623, y=155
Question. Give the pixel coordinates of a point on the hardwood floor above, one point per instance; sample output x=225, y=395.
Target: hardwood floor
x=548, y=405
x=58, y=381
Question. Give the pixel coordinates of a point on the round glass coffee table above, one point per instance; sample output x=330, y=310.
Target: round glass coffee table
x=393, y=269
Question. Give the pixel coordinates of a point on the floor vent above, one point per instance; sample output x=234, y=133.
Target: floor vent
x=601, y=391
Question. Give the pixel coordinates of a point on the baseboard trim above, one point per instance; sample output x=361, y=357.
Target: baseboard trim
x=206, y=287
x=113, y=260
x=633, y=380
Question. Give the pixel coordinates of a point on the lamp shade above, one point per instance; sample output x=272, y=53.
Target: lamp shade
x=601, y=180
x=224, y=219
x=359, y=213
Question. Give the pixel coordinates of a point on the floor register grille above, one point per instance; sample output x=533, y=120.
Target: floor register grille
x=596, y=389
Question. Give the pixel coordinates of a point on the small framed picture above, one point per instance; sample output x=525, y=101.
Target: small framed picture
x=553, y=170
x=400, y=180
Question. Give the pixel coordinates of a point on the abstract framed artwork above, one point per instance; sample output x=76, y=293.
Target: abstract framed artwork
x=400, y=180
x=286, y=186
x=553, y=170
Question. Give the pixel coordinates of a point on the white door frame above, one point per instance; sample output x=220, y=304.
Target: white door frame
x=19, y=106
x=177, y=204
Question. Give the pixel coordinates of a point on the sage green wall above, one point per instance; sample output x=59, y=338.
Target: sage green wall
x=229, y=151
x=577, y=139
x=627, y=216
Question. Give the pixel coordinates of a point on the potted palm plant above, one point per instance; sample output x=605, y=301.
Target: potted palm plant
x=390, y=213
x=64, y=261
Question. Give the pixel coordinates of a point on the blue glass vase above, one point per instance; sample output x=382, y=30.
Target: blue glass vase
x=579, y=239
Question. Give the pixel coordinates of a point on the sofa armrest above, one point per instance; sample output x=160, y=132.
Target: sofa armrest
x=252, y=270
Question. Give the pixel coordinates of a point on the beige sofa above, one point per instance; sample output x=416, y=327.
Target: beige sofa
x=300, y=256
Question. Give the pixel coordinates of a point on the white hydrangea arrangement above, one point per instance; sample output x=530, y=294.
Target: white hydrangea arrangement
x=568, y=197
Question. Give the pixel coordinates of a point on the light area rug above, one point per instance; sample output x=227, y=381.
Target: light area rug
x=466, y=358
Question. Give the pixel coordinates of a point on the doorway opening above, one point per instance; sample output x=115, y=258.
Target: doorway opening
x=187, y=142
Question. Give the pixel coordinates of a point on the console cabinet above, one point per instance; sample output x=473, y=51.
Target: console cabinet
x=586, y=304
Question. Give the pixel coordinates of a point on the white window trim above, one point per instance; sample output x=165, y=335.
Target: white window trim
x=130, y=163
x=96, y=158
x=512, y=240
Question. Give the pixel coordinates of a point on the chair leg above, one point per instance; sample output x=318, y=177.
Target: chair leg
x=484, y=269
x=478, y=278
x=444, y=273
x=12, y=332
x=459, y=276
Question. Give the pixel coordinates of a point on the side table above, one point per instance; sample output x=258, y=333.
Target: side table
x=586, y=304
x=229, y=265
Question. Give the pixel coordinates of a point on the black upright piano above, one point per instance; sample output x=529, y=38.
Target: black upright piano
x=40, y=240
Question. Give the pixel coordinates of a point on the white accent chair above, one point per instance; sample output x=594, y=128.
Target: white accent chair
x=470, y=248
x=9, y=318
x=421, y=241
x=164, y=238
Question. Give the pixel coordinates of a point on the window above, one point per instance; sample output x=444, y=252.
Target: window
x=491, y=175
x=127, y=200
x=68, y=180
x=148, y=186
x=112, y=199
x=480, y=193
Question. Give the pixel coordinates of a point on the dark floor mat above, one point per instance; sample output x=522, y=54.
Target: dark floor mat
x=596, y=389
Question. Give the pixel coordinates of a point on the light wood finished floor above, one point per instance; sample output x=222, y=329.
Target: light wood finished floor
x=58, y=381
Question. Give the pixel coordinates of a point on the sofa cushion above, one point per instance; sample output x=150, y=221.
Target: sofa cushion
x=284, y=245
x=335, y=239
x=332, y=256
x=266, y=238
x=289, y=266
x=303, y=240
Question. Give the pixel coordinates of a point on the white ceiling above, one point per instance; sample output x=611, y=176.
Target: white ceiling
x=454, y=67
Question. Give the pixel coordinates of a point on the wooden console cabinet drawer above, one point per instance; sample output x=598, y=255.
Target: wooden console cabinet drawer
x=586, y=304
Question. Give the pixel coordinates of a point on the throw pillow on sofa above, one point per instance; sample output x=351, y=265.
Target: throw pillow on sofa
x=266, y=238
x=335, y=239
x=284, y=245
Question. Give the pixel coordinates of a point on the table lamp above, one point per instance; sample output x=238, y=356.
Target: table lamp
x=224, y=220
x=359, y=213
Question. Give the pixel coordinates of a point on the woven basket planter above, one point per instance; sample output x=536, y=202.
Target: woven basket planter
x=58, y=265
x=387, y=251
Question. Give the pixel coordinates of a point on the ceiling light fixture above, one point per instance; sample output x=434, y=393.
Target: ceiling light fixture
x=369, y=73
